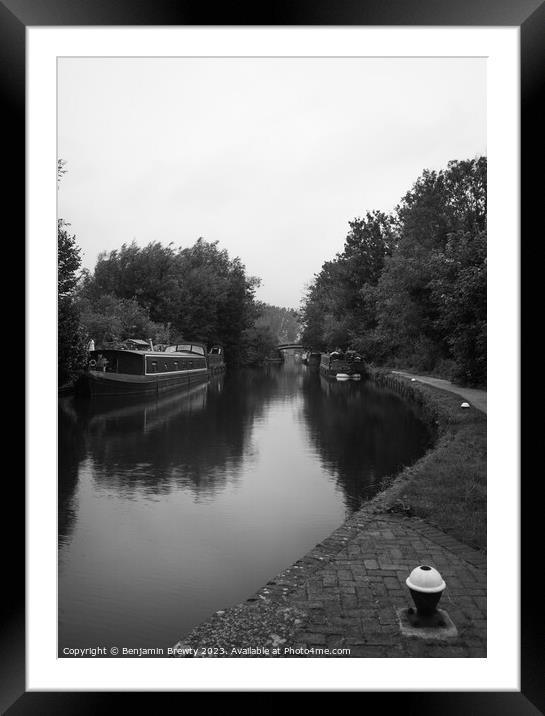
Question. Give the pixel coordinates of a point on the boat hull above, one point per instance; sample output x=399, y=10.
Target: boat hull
x=333, y=368
x=215, y=364
x=96, y=383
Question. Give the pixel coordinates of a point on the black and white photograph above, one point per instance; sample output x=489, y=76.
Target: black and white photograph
x=272, y=357
x=272, y=291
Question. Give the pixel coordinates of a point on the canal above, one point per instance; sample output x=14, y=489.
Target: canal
x=170, y=510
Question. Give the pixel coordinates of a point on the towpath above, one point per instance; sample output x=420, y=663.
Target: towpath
x=474, y=396
x=346, y=594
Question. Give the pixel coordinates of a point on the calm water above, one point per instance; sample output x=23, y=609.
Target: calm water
x=171, y=510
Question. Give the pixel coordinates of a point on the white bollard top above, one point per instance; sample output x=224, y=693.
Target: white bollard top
x=425, y=579
x=465, y=405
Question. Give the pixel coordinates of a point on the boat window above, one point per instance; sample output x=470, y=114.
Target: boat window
x=185, y=347
x=154, y=366
x=175, y=365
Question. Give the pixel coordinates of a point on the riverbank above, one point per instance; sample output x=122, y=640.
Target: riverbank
x=346, y=593
x=476, y=396
x=446, y=487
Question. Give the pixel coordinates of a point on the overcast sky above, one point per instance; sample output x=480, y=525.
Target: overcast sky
x=271, y=157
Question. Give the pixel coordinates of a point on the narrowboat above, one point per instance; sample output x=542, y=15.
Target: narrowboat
x=311, y=357
x=141, y=369
x=216, y=362
x=343, y=366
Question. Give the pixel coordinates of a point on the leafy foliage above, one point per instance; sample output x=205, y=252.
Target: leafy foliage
x=114, y=319
x=459, y=291
x=71, y=336
x=258, y=342
x=410, y=288
x=339, y=307
x=197, y=293
x=283, y=323
x=68, y=258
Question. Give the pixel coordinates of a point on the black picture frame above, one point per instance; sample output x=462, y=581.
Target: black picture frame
x=15, y=17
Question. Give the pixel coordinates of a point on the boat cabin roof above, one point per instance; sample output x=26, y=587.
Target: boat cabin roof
x=136, y=345
x=187, y=347
x=148, y=352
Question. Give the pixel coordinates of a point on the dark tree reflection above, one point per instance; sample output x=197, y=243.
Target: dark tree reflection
x=362, y=433
x=171, y=509
x=192, y=439
x=71, y=451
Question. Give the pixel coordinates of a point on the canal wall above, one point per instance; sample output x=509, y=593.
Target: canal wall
x=344, y=597
x=412, y=392
x=438, y=486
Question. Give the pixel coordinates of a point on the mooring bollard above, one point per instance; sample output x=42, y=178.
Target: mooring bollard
x=426, y=586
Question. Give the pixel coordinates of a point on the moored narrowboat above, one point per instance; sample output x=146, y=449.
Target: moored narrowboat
x=214, y=358
x=311, y=357
x=343, y=366
x=142, y=370
x=216, y=362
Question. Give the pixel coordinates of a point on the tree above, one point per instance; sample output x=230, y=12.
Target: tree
x=410, y=288
x=282, y=322
x=199, y=291
x=338, y=309
x=411, y=325
x=258, y=342
x=110, y=319
x=460, y=293
x=71, y=337
x=68, y=259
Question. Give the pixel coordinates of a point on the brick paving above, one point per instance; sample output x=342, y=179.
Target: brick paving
x=345, y=593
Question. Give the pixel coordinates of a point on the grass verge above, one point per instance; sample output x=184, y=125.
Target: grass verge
x=447, y=486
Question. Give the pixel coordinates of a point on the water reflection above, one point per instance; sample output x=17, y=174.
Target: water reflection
x=361, y=433
x=170, y=509
x=71, y=451
x=192, y=439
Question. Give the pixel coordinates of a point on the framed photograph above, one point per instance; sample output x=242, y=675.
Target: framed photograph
x=261, y=350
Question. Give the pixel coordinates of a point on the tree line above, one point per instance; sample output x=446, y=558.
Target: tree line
x=170, y=294
x=272, y=325
x=409, y=287
x=166, y=293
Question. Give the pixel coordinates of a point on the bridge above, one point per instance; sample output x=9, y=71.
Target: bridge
x=294, y=346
